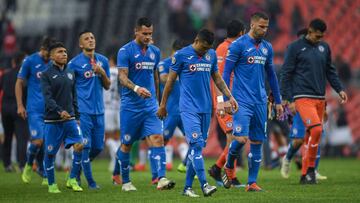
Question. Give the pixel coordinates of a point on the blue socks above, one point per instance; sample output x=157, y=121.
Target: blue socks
x=116, y=170
x=158, y=161
x=190, y=173
x=124, y=159
x=197, y=162
x=40, y=161
x=76, y=164
x=291, y=151
x=87, y=167
x=254, y=161
x=31, y=153
x=49, y=167
x=234, y=150
x=153, y=164
x=317, y=161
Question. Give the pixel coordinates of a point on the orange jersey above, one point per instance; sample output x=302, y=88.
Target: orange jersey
x=221, y=52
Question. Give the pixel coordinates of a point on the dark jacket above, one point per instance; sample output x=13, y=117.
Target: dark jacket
x=58, y=88
x=305, y=70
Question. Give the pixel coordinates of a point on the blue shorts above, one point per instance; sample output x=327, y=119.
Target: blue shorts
x=196, y=126
x=36, y=125
x=93, y=130
x=250, y=121
x=138, y=125
x=55, y=133
x=298, y=128
x=170, y=123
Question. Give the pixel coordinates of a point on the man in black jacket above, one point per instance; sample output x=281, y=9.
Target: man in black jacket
x=12, y=122
x=306, y=68
x=61, y=115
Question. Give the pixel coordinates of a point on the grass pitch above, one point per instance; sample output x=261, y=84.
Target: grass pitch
x=342, y=186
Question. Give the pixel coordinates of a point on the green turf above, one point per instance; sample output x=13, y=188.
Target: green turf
x=342, y=186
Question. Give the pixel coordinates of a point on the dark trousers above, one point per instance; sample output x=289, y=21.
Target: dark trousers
x=13, y=124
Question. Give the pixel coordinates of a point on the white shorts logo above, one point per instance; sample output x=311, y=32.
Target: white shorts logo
x=238, y=129
x=195, y=135
x=152, y=56
x=321, y=48
x=50, y=148
x=33, y=133
x=70, y=76
x=127, y=137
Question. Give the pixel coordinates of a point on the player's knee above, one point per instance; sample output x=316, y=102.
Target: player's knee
x=125, y=148
x=298, y=142
x=315, y=133
x=78, y=147
x=255, y=142
x=37, y=142
x=156, y=140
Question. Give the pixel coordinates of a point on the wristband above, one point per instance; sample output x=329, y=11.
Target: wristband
x=136, y=88
x=220, y=99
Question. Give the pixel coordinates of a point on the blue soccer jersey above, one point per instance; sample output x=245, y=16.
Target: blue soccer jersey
x=89, y=85
x=194, y=75
x=249, y=59
x=141, y=65
x=31, y=70
x=172, y=105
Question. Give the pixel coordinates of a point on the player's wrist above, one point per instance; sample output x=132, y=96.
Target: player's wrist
x=220, y=99
x=136, y=88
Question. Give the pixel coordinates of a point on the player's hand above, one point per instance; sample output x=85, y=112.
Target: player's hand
x=220, y=108
x=21, y=111
x=279, y=110
x=285, y=102
x=98, y=69
x=143, y=92
x=234, y=106
x=343, y=97
x=65, y=115
x=292, y=108
x=161, y=113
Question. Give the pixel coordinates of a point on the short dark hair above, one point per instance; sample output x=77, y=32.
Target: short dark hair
x=18, y=58
x=259, y=15
x=83, y=32
x=56, y=45
x=234, y=27
x=302, y=32
x=143, y=21
x=178, y=44
x=206, y=35
x=318, y=24
x=46, y=41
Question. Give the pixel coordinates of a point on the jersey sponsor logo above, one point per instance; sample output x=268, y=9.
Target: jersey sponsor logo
x=145, y=65
x=70, y=76
x=264, y=51
x=256, y=60
x=152, y=56
x=207, y=57
x=195, y=135
x=321, y=48
x=38, y=66
x=204, y=67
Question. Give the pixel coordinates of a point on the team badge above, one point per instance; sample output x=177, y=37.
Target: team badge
x=70, y=76
x=264, y=51
x=88, y=74
x=99, y=63
x=207, y=57
x=85, y=141
x=173, y=60
x=250, y=59
x=295, y=131
x=38, y=74
x=229, y=124
x=192, y=67
x=33, y=133
x=321, y=48
x=127, y=137
x=195, y=135
x=138, y=66
x=50, y=148
x=238, y=129
x=152, y=56
x=228, y=53
x=308, y=121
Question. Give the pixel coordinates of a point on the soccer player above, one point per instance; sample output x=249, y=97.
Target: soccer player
x=250, y=57
x=194, y=64
x=173, y=119
x=235, y=29
x=91, y=76
x=306, y=67
x=137, y=62
x=61, y=116
x=30, y=72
